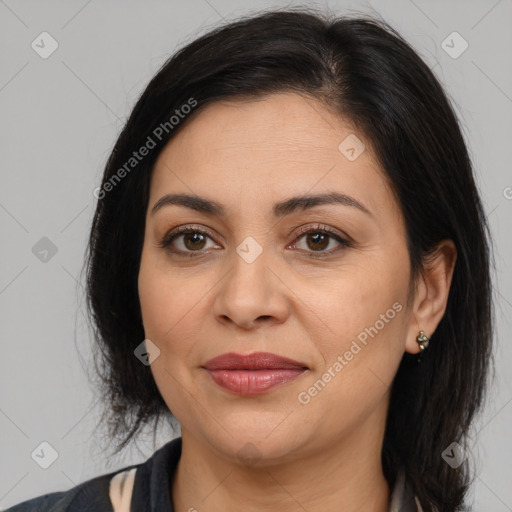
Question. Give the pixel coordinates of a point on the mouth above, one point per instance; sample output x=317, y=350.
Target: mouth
x=253, y=374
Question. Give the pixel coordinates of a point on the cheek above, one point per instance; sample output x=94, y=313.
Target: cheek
x=168, y=303
x=364, y=313
x=358, y=363
x=165, y=298
x=175, y=306
x=356, y=298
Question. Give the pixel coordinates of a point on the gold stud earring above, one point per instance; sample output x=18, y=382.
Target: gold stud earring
x=422, y=340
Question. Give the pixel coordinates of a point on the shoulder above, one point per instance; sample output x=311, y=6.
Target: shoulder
x=39, y=504
x=91, y=495
x=94, y=494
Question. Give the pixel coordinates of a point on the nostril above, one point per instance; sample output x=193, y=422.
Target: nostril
x=263, y=317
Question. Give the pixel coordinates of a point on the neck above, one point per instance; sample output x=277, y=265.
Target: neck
x=347, y=476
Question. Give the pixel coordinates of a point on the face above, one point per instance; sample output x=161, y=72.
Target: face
x=323, y=282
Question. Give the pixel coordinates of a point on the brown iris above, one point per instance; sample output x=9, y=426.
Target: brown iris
x=194, y=241
x=318, y=241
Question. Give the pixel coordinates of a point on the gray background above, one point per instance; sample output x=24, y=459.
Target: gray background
x=59, y=119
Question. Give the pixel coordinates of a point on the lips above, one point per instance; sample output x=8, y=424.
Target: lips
x=253, y=374
x=255, y=361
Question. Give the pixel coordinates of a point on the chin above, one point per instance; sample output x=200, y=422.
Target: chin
x=255, y=447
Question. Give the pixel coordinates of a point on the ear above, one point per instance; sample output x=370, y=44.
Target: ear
x=431, y=297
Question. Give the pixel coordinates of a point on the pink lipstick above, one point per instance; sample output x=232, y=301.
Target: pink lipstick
x=253, y=374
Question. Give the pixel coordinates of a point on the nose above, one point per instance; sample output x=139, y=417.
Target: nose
x=251, y=294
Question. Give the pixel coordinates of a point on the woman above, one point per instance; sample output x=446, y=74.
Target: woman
x=289, y=256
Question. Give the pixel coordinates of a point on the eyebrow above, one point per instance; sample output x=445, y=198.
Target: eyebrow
x=281, y=209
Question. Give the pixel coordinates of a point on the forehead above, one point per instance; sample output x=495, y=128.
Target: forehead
x=285, y=143
x=282, y=124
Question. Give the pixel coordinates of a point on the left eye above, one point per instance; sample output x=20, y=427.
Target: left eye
x=318, y=241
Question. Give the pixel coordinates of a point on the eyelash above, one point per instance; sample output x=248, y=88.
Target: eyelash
x=317, y=229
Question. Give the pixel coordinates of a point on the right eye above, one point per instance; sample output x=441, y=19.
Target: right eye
x=185, y=241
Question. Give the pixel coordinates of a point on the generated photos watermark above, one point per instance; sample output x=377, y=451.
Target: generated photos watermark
x=137, y=156
x=344, y=359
